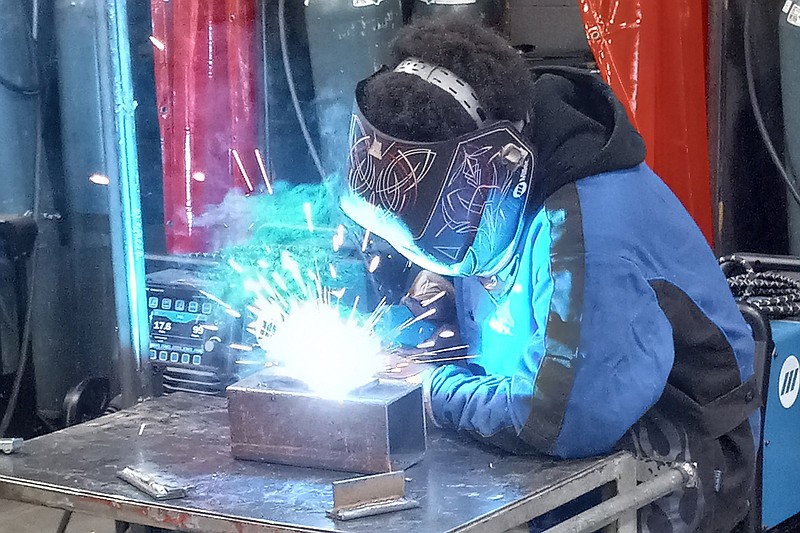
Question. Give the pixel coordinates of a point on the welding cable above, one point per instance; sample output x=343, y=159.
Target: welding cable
x=19, y=89
x=31, y=39
x=65, y=518
x=287, y=67
x=25, y=348
x=751, y=89
x=773, y=294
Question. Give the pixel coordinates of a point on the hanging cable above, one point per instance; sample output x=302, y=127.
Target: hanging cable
x=25, y=347
x=751, y=89
x=19, y=89
x=287, y=67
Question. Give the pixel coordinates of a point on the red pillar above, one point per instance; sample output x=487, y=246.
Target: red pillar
x=204, y=55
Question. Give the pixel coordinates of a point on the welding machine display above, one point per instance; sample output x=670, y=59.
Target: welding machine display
x=179, y=328
x=191, y=334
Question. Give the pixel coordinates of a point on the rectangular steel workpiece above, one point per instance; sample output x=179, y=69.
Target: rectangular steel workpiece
x=379, y=427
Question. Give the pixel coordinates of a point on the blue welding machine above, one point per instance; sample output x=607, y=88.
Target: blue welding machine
x=780, y=497
x=773, y=287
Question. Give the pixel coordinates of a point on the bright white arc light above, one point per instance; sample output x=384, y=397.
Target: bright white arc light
x=340, y=356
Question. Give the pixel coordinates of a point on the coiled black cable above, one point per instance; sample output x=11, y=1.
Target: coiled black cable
x=772, y=293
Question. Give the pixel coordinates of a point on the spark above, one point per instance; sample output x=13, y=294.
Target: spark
x=309, y=221
x=446, y=334
x=338, y=293
x=210, y=327
x=241, y=347
x=429, y=301
x=373, y=265
x=187, y=181
x=289, y=264
x=338, y=238
x=215, y=299
x=413, y=320
x=239, y=164
x=199, y=176
x=365, y=242
x=353, y=311
x=279, y=280
x=441, y=350
x=158, y=43
x=425, y=345
x=250, y=362
x=99, y=179
x=141, y=428
x=443, y=359
x=332, y=270
x=236, y=266
x=263, y=169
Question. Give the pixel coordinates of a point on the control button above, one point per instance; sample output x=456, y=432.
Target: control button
x=196, y=360
x=162, y=355
x=185, y=358
x=174, y=356
x=152, y=302
x=153, y=354
x=166, y=303
x=207, y=308
x=180, y=305
x=193, y=307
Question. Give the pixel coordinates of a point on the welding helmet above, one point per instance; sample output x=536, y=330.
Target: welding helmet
x=454, y=207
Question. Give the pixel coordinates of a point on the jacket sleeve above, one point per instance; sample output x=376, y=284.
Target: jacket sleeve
x=598, y=357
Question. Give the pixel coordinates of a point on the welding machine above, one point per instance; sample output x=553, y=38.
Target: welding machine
x=772, y=285
x=195, y=338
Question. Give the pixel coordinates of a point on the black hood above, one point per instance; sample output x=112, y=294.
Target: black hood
x=579, y=128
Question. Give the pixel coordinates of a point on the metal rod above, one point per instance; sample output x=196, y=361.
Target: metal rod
x=118, y=106
x=610, y=510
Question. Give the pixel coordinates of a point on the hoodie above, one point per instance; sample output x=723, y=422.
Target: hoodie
x=613, y=327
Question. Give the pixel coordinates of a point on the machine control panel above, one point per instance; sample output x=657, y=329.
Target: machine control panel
x=191, y=333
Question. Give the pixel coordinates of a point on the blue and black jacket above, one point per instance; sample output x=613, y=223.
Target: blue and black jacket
x=614, y=308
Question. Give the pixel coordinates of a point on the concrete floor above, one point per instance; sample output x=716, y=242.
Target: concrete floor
x=23, y=518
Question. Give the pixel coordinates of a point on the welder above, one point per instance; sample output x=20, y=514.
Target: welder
x=596, y=310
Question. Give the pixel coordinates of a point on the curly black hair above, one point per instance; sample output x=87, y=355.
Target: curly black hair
x=410, y=108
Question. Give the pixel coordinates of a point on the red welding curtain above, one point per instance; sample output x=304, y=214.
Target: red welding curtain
x=205, y=84
x=653, y=54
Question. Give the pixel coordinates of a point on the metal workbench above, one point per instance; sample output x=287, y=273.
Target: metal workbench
x=460, y=485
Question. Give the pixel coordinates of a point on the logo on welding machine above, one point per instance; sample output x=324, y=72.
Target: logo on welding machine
x=788, y=385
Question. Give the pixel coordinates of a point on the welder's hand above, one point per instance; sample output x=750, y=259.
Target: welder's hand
x=433, y=295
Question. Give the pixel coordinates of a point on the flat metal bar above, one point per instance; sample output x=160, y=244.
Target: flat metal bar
x=361, y=490
x=123, y=510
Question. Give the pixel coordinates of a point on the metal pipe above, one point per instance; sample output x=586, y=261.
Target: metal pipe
x=680, y=475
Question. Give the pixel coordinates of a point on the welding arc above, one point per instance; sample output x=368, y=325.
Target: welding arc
x=287, y=67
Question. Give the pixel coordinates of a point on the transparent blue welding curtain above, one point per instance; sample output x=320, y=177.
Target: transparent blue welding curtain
x=18, y=102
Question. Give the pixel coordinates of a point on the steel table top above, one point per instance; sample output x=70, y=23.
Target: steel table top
x=461, y=485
